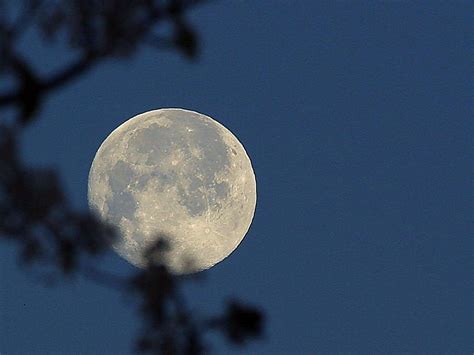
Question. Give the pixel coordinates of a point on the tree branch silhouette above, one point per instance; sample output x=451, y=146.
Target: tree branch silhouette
x=116, y=36
x=35, y=212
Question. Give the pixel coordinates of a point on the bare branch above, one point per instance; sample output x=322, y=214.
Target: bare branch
x=71, y=71
x=62, y=77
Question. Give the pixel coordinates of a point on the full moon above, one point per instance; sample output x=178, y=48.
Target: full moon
x=179, y=174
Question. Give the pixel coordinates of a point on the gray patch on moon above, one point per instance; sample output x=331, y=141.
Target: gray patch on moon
x=163, y=142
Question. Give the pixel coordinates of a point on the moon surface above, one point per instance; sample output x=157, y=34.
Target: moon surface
x=179, y=174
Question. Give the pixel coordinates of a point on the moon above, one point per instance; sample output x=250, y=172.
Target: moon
x=175, y=173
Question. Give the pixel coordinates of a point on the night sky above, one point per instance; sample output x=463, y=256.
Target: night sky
x=356, y=116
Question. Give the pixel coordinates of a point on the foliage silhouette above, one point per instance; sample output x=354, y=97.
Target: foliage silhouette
x=34, y=211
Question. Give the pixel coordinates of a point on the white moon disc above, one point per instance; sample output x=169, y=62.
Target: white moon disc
x=175, y=173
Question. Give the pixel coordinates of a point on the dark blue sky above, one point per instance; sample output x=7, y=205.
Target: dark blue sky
x=356, y=116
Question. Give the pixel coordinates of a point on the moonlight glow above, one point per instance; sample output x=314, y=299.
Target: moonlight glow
x=176, y=173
